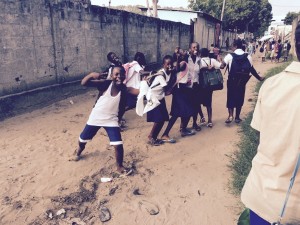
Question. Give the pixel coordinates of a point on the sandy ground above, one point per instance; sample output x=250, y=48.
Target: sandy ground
x=186, y=182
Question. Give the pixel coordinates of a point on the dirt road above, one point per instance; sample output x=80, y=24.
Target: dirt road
x=186, y=182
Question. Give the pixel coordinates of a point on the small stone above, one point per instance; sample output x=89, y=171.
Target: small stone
x=104, y=214
x=103, y=201
x=60, y=212
x=136, y=191
x=113, y=190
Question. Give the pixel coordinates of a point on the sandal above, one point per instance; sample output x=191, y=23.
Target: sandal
x=202, y=121
x=229, y=119
x=196, y=127
x=210, y=125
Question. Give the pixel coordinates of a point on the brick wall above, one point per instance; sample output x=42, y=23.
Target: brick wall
x=50, y=42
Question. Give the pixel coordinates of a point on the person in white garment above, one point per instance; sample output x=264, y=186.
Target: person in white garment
x=106, y=113
x=277, y=118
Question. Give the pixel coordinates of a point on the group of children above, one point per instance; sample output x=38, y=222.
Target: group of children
x=126, y=83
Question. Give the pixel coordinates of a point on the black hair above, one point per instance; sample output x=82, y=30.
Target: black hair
x=238, y=43
x=204, y=52
x=109, y=55
x=122, y=70
x=194, y=43
x=166, y=57
x=140, y=58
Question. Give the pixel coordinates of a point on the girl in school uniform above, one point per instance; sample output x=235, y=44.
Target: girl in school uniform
x=206, y=94
x=159, y=114
x=194, y=63
x=182, y=105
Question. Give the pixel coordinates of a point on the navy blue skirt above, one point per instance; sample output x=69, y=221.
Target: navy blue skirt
x=182, y=102
x=235, y=95
x=206, y=96
x=159, y=113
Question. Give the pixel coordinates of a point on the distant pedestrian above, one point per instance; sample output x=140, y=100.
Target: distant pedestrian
x=278, y=50
x=240, y=66
x=227, y=43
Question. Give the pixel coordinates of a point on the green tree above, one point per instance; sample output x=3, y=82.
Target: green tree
x=290, y=16
x=244, y=15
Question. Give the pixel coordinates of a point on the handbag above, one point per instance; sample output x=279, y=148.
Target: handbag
x=211, y=78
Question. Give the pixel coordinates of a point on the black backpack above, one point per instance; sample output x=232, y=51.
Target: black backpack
x=239, y=73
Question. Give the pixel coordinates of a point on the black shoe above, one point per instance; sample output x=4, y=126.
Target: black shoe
x=185, y=133
x=229, y=119
x=237, y=120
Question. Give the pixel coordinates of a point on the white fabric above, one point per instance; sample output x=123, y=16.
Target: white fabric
x=194, y=69
x=208, y=61
x=158, y=84
x=105, y=111
x=152, y=101
x=228, y=58
x=183, y=77
x=109, y=71
x=153, y=94
x=277, y=117
x=133, y=77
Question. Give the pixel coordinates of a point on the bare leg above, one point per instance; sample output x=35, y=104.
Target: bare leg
x=119, y=154
x=230, y=116
x=155, y=130
x=169, y=127
x=184, y=122
x=237, y=114
x=158, y=128
x=78, y=151
x=209, y=113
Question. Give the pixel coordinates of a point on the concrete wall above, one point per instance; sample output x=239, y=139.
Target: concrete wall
x=54, y=42
x=204, y=32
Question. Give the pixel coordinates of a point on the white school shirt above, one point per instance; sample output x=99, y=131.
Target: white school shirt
x=214, y=63
x=228, y=58
x=105, y=111
x=133, y=77
x=277, y=117
x=194, y=69
x=158, y=84
x=183, y=76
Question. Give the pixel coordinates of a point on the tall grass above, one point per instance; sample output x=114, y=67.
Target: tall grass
x=247, y=147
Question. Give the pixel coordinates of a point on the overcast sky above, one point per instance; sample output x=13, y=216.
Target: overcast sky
x=280, y=7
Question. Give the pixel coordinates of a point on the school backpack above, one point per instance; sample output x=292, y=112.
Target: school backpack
x=210, y=78
x=152, y=76
x=239, y=73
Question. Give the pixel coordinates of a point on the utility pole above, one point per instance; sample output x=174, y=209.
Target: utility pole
x=222, y=14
